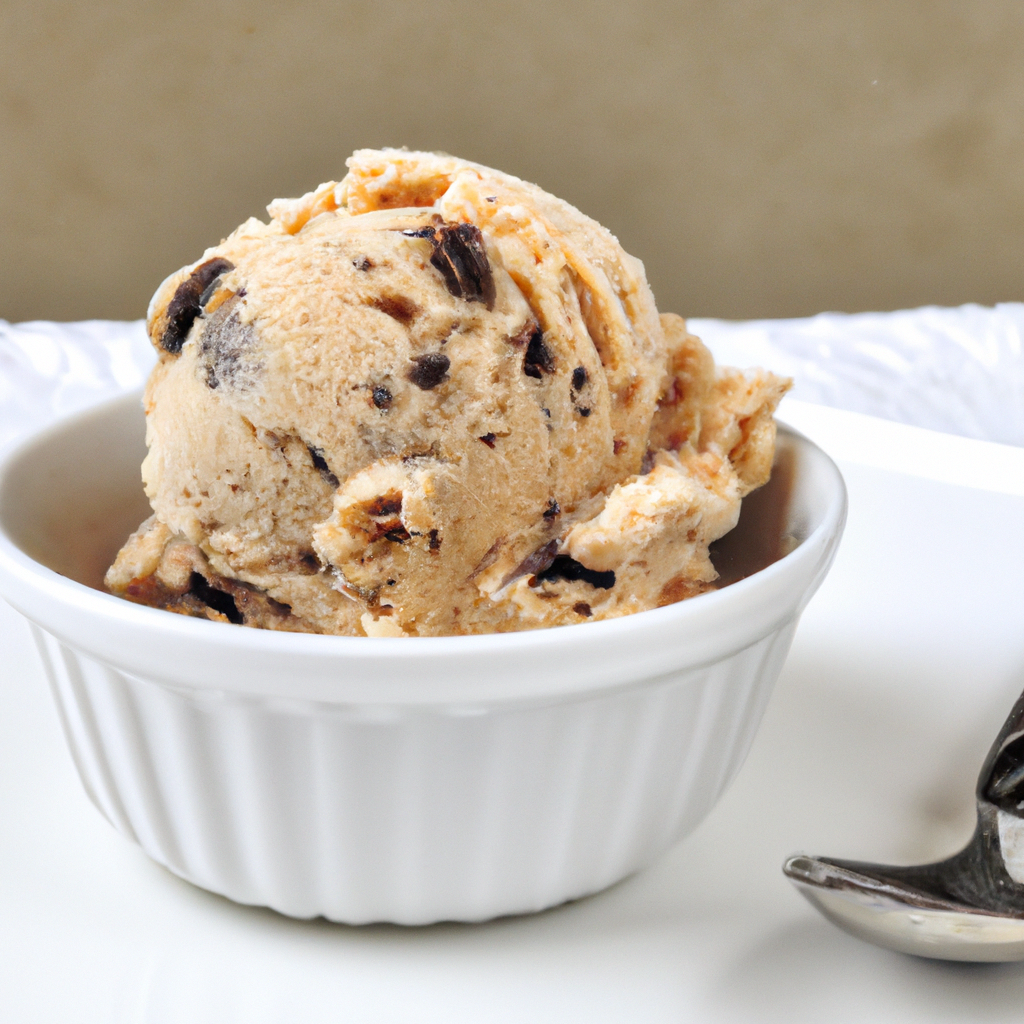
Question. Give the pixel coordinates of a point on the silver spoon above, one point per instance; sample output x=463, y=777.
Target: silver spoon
x=969, y=907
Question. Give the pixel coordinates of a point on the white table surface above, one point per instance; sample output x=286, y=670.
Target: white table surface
x=903, y=669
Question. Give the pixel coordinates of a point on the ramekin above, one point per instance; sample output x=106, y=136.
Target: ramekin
x=405, y=780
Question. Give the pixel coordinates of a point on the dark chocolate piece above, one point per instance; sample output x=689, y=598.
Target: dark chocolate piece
x=534, y=563
x=435, y=541
x=460, y=255
x=187, y=302
x=215, y=599
x=582, y=608
x=563, y=567
x=317, y=455
x=429, y=370
x=488, y=439
x=382, y=397
x=552, y=510
x=583, y=411
x=538, y=359
x=579, y=378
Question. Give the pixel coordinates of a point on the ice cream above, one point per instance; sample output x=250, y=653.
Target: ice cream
x=432, y=399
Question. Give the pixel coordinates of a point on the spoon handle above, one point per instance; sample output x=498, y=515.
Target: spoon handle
x=1001, y=780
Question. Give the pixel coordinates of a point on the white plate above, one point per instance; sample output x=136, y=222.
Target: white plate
x=903, y=669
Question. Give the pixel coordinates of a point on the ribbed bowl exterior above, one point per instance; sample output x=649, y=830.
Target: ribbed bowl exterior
x=409, y=814
x=373, y=779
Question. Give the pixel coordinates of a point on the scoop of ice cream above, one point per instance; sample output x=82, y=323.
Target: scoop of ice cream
x=432, y=399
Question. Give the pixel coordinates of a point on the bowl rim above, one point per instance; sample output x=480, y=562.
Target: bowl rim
x=47, y=598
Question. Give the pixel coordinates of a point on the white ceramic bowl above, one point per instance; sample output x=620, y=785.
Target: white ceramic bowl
x=411, y=780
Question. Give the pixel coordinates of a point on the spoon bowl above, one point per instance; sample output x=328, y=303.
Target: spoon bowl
x=968, y=907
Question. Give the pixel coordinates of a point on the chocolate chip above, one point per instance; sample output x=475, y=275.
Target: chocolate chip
x=538, y=359
x=566, y=568
x=363, y=263
x=317, y=455
x=435, y=541
x=187, y=302
x=582, y=608
x=398, y=307
x=552, y=510
x=386, y=505
x=460, y=255
x=391, y=583
x=578, y=382
x=429, y=370
x=213, y=598
x=382, y=397
x=533, y=564
x=399, y=535
x=488, y=439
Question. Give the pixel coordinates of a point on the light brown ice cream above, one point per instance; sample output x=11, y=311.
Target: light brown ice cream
x=432, y=399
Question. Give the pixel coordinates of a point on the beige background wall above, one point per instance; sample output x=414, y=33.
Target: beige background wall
x=762, y=158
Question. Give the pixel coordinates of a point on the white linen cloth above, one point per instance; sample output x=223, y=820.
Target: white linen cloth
x=48, y=370
x=958, y=370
